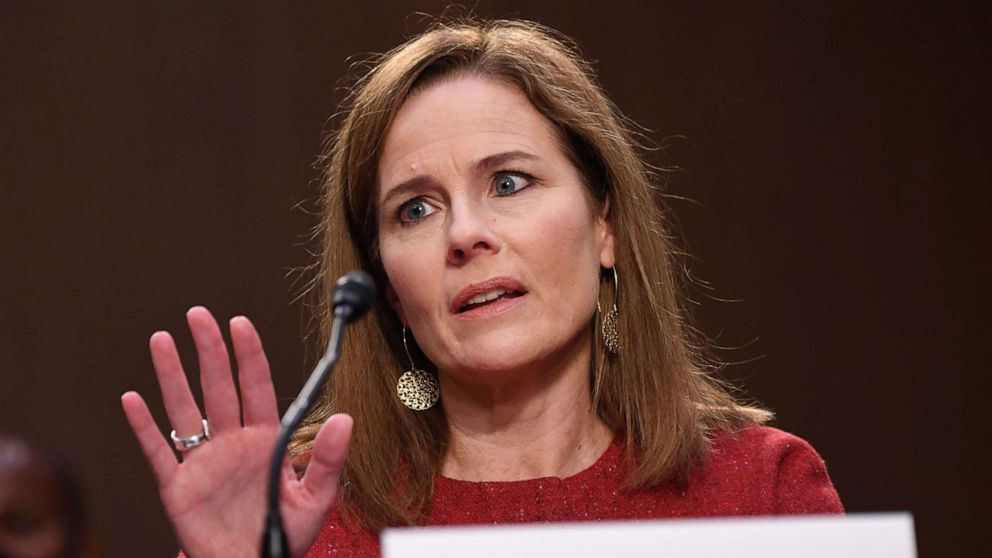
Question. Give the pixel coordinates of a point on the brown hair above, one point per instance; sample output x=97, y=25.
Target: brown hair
x=658, y=390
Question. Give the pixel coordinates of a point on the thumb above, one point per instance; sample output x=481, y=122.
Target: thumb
x=330, y=448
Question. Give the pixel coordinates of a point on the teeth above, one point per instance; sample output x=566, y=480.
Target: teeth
x=486, y=296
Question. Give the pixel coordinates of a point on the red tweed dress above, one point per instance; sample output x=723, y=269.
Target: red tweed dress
x=756, y=471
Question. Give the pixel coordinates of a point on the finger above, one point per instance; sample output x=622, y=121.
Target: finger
x=288, y=474
x=219, y=395
x=179, y=402
x=257, y=394
x=330, y=448
x=153, y=444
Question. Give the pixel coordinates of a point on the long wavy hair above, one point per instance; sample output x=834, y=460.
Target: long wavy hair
x=659, y=391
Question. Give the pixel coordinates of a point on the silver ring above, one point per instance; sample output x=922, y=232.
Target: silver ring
x=190, y=442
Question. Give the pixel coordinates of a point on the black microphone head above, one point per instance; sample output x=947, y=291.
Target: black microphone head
x=354, y=295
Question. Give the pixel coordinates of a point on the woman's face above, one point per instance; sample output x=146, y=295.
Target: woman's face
x=489, y=240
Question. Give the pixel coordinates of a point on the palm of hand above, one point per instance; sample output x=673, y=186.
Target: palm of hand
x=228, y=473
x=215, y=498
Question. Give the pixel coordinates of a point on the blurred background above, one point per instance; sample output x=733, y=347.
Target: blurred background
x=833, y=191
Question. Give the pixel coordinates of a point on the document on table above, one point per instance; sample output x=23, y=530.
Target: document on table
x=886, y=535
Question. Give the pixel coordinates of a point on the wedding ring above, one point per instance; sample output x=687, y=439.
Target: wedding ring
x=190, y=442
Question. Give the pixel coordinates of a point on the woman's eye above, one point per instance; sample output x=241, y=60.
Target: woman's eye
x=415, y=210
x=509, y=183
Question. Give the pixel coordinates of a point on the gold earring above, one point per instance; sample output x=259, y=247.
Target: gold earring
x=417, y=388
x=610, y=326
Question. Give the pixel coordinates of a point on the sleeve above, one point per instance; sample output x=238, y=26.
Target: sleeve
x=802, y=485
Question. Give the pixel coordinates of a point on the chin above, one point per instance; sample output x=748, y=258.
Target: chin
x=499, y=353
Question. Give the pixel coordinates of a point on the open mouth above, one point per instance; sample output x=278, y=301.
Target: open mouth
x=491, y=296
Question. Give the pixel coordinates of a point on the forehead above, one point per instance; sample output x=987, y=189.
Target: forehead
x=460, y=120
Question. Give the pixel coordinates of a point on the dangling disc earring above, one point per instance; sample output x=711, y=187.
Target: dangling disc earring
x=610, y=326
x=417, y=388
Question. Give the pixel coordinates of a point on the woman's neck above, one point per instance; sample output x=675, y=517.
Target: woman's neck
x=540, y=424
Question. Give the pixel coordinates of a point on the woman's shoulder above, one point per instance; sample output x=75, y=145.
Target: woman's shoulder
x=780, y=472
x=764, y=442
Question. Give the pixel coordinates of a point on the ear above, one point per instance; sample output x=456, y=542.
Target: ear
x=604, y=232
x=394, y=301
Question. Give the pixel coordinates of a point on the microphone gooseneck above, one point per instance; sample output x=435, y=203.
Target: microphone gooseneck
x=354, y=294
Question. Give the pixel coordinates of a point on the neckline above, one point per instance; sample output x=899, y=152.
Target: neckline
x=610, y=458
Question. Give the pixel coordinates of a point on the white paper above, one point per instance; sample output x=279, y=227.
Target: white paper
x=887, y=535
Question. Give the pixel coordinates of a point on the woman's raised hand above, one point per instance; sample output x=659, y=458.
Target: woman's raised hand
x=215, y=497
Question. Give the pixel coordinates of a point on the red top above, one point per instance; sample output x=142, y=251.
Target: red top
x=757, y=471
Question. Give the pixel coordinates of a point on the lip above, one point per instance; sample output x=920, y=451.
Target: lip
x=466, y=294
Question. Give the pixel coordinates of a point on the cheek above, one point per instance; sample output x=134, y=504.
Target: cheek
x=568, y=252
x=569, y=234
x=410, y=274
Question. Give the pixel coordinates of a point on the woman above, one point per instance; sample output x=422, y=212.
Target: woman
x=498, y=197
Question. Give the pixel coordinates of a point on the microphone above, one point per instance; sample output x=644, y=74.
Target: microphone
x=354, y=294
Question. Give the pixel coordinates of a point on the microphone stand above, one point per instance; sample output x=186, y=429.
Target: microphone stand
x=354, y=294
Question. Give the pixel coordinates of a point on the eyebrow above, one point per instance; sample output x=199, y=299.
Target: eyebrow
x=482, y=165
x=500, y=159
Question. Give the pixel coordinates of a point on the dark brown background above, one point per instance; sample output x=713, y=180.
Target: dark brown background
x=152, y=155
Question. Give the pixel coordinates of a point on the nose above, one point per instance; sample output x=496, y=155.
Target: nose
x=470, y=234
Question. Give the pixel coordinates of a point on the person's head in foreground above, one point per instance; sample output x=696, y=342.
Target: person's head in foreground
x=502, y=203
x=41, y=512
